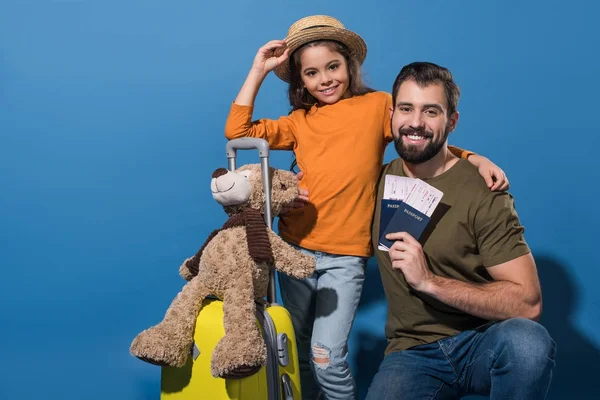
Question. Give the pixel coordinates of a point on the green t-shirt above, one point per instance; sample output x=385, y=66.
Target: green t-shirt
x=471, y=229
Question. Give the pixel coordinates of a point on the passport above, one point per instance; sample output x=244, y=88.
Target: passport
x=397, y=216
x=407, y=206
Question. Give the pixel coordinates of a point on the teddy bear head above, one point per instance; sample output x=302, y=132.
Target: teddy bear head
x=236, y=190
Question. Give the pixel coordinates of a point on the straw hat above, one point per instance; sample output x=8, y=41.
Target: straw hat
x=319, y=27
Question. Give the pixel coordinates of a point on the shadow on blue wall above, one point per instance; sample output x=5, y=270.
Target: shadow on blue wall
x=369, y=354
x=148, y=388
x=577, y=358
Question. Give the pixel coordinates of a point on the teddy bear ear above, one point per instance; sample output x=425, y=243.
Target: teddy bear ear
x=219, y=172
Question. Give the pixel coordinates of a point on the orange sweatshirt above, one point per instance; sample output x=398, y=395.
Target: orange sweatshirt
x=340, y=148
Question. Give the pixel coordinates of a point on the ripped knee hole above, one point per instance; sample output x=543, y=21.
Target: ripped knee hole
x=320, y=355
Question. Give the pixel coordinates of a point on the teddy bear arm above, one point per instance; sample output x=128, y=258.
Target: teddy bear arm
x=289, y=260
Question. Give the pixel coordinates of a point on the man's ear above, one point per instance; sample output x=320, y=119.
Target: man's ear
x=391, y=112
x=453, y=120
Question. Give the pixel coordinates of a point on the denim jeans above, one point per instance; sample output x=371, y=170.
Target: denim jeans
x=323, y=307
x=512, y=359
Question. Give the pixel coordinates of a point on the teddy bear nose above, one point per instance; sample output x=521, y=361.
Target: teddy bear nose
x=219, y=172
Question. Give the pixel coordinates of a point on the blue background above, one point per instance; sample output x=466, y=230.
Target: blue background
x=111, y=122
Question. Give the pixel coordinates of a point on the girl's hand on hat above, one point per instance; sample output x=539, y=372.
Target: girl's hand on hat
x=267, y=58
x=270, y=56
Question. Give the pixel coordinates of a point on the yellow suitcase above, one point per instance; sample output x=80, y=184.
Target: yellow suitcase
x=280, y=378
x=194, y=380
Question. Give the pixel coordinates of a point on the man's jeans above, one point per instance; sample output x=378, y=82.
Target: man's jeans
x=323, y=307
x=512, y=359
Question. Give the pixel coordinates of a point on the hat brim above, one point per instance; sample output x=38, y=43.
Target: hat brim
x=354, y=42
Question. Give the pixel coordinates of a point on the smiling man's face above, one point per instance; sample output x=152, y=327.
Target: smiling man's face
x=420, y=121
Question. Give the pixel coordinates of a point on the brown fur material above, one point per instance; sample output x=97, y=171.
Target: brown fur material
x=259, y=246
x=232, y=266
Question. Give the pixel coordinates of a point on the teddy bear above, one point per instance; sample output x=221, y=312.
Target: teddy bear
x=233, y=265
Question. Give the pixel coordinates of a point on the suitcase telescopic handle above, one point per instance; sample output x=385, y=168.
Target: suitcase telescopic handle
x=263, y=150
x=247, y=144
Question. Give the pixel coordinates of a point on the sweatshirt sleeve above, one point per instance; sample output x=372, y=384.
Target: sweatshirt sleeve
x=460, y=153
x=387, y=119
x=278, y=133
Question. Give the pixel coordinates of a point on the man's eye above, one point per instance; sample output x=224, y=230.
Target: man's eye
x=431, y=113
x=404, y=109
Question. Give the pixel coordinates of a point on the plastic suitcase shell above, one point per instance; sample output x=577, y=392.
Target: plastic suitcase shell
x=194, y=380
x=280, y=378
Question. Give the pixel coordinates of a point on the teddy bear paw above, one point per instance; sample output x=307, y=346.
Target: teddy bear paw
x=234, y=359
x=306, y=267
x=157, y=347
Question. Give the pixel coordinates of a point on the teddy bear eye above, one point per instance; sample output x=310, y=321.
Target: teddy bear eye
x=283, y=187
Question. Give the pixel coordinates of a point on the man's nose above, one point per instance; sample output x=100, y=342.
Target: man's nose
x=417, y=121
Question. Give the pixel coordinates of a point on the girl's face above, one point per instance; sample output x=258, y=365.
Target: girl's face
x=325, y=74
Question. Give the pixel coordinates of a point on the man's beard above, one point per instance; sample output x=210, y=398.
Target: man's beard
x=412, y=154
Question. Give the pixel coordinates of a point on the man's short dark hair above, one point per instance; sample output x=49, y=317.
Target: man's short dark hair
x=425, y=74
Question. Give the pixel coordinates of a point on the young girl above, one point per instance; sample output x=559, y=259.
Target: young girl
x=338, y=130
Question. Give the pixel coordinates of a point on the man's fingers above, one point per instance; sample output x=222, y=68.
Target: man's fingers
x=404, y=236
